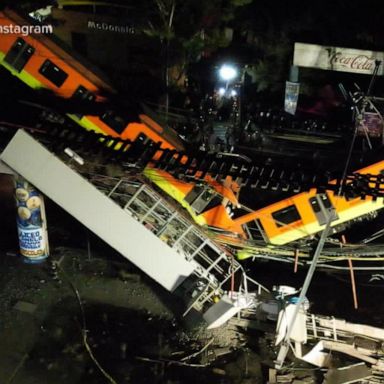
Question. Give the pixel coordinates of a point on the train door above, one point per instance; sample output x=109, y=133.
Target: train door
x=319, y=201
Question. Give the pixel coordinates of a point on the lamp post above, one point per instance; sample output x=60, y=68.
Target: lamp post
x=227, y=73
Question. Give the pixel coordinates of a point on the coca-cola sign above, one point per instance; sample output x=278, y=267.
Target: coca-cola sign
x=337, y=59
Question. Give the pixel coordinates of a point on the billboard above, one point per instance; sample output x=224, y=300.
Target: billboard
x=291, y=97
x=371, y=125
x=337, y=59
x=79, y=22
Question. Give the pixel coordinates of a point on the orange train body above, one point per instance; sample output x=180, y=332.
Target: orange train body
x=41, y=62
x=299, y=216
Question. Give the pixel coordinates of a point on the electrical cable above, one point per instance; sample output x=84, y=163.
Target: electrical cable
x=84, y=330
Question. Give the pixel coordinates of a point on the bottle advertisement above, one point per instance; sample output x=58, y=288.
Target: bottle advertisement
x=31, y=222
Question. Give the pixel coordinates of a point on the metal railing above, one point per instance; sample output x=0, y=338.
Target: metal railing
x=214, y=265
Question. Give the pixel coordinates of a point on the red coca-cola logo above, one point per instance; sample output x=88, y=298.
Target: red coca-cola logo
x=359, y=62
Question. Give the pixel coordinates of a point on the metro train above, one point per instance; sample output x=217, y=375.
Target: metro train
x=41, y=62
x=301, y=215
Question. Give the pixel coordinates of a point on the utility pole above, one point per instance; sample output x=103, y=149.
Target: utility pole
x=330, y=215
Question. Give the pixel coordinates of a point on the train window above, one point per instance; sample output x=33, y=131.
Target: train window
x=261, y=230
x=286, y=216
x=116, y=122
x=143, y=139
x=53, y=73
x=315, y=204
x=83, y=94
x=19, y=54
x=324, y=199
x=202, y=199
x=138, y=149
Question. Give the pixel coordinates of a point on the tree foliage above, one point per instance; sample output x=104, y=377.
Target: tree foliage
x=190, y=28
x=272, y=27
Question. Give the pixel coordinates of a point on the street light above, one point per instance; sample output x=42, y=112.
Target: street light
x=227, y=72
x=230, y=73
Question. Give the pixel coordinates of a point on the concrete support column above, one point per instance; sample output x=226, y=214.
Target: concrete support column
x=31, y=222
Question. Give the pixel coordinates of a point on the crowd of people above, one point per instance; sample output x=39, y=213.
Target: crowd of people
x=217, y=123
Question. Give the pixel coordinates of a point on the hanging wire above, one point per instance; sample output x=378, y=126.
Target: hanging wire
x=84, y=331
x=358, y=120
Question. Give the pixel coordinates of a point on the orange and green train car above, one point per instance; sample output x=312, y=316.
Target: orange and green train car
x=301, y=215
x=41, y=62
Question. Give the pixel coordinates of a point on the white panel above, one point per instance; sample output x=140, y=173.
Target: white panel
x=299, y=329
x=316, y=356
x=358, y=329
x=5, y=169
x=97, y=212
x=220, y=312
x=347, y=375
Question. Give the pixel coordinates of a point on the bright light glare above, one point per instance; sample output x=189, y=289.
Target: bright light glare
x=227, y=72
x=233, y=92
x=221, y=91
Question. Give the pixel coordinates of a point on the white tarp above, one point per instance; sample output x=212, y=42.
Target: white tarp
x=337, y=59
x=227, y=307
x=299, y=329
x=316, y=356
